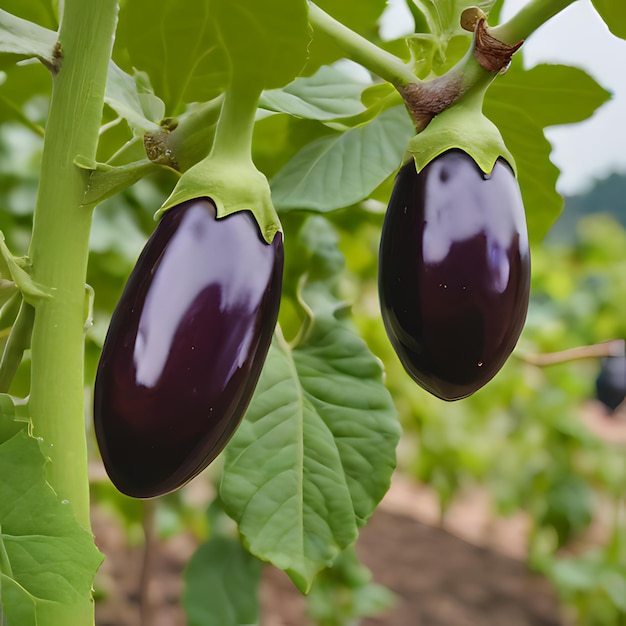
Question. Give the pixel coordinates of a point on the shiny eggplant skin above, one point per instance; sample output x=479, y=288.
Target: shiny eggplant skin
x=454, y=272
x=185, y=347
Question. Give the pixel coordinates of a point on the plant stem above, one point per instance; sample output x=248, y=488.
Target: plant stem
x=364, y=52
x=233, y=133
x=528, y=19
x=59, y=248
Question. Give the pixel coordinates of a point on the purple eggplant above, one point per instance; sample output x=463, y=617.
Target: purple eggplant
x=454, y=272
x=185, y=347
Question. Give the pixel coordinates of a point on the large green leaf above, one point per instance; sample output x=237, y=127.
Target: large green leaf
x=521, y=103
x=315, y=453
x=266, y=42
x=46, y=559
x=327, y=95
x=42, y=12
x=613, y=12
x=343, y=169
x=192, y=60
x=24, y=38
x=183, y=58
x=221, y=585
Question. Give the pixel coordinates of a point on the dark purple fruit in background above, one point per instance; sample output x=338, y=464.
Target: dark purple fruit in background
x=454, y=272
x=185, y=347
x=611, y=382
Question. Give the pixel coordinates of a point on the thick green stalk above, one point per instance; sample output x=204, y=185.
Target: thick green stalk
x=59, y=249
x=528, y=19
x=235, y=126
x=359, y=49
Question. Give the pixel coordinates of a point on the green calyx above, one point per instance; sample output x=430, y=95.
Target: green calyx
x=232, y=186
x=227, y=175
x=462, y=126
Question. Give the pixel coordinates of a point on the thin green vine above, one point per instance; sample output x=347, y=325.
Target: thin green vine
x=528, y=19
x=378, y=61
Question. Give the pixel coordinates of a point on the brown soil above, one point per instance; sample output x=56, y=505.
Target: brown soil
x=439, y=579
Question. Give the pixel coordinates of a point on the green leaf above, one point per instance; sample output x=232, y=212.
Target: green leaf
x=283, y=481
x=42, y=12
x=614, y=15
x=340, y=170
x=221, y=585
x=132, y=98
x=24, y=38
x=345, y=592
x=316, y=451
x=521, y=103
x=328, y=94
x=46, y=559
x=15, y=268
x=550, y=94
x=266, y=42
x=429, y=54
x=9, y=426
x=184, y=64
x=107, y=180
x=7, y=291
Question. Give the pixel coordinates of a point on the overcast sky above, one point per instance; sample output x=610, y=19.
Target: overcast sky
x=577, y=36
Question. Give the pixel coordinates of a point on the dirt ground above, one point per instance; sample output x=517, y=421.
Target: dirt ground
x=468, y=573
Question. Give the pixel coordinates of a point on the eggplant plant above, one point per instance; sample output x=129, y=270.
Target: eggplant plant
x=222, y=328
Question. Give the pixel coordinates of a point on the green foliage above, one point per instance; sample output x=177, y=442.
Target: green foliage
x=195, y=65
x=36, y=527
x=327, y=95
x=132, y=98
x=222, y=585
x=614, y=15
x=345, y=592
x=25, y=39
x=342, y=169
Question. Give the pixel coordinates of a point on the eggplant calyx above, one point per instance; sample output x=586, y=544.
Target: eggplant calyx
x=462, y=126
x=232, y=185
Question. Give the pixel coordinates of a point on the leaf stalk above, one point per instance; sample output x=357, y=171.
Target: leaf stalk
x=382, y=63
x=528, y=19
